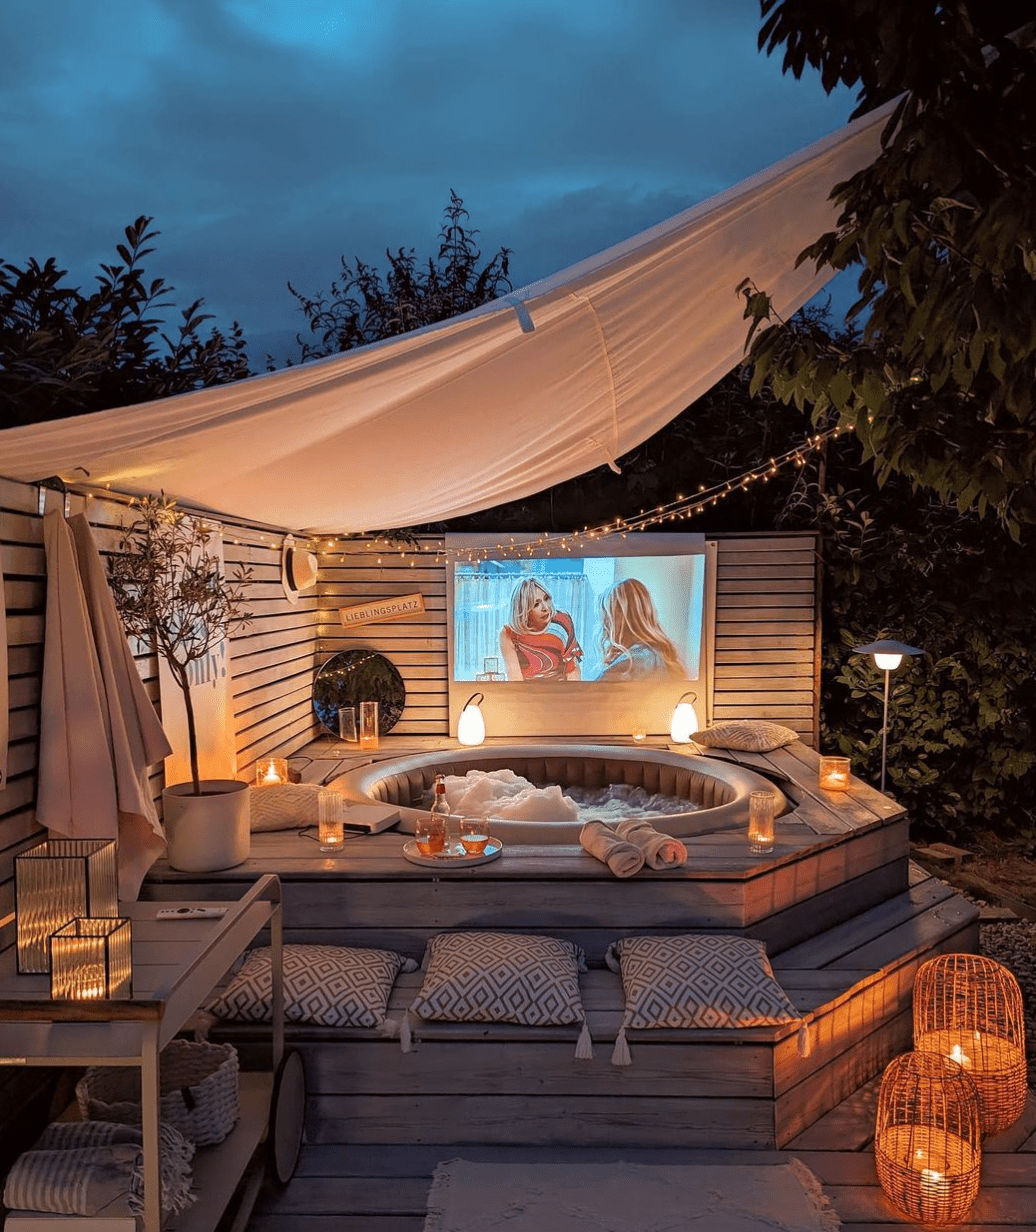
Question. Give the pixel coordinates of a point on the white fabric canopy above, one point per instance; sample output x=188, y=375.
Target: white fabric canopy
x=548, y=383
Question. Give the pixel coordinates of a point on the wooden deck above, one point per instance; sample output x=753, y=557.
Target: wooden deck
x=846, y=918
x=384, y=1188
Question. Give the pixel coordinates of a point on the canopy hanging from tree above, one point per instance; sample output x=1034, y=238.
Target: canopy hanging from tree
x=547, y=383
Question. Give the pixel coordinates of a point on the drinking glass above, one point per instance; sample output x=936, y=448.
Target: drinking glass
x=368, y=725
x=330, y=826
x=347, y=724
x=761, y=810
x=474, y=835
x=430, y=835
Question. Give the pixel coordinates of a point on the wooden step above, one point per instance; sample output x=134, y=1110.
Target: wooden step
x=749, y=1087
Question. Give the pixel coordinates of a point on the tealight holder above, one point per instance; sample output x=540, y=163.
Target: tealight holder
x=762, y=807
x=271, y=772
x=330, y=824
x=91, y=960
x=368, y=725
x=55, y=882
x=834, y=773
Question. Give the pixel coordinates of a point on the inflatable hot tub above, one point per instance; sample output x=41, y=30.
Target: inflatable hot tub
x=717, y=790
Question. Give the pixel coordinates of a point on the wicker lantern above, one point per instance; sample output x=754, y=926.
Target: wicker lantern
x=927, y=1140
x=969, y=1008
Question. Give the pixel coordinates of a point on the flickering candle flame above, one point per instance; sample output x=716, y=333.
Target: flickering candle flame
x=934, y=1185
x=271, y=772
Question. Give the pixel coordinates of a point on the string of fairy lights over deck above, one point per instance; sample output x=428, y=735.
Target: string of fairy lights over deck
x=414, y=553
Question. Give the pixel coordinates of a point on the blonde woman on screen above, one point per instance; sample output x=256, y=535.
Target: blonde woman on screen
x=634, y=646
x=539, y=643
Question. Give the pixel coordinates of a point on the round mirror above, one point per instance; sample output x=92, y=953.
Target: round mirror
x=354, y=676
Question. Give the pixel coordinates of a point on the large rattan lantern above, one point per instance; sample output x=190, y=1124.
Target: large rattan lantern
x=927, y=1140
x=969, y=1008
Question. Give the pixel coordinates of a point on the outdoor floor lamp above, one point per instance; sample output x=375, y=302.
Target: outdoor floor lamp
x=887, y=657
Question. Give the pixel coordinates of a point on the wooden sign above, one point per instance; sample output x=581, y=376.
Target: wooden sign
x=381, y=609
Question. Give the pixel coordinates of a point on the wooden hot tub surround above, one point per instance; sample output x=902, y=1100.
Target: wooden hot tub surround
x=845, y=917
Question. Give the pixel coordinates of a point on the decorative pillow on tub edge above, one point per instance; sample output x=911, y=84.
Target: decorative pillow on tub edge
x=330, y=985
x=747, y=735
x=708, y=980
x=285, y=806
x=501, y=977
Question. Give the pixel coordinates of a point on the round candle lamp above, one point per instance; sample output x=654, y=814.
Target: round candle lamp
x=685, y=719
x=969, y=1008
x=927, y=1138
x=471, y=726
x=834, y=773
x=271, y=772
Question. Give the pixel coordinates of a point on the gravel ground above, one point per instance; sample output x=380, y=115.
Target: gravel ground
x=1014, y=945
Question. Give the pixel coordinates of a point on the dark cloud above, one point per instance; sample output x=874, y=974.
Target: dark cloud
x=267, y=137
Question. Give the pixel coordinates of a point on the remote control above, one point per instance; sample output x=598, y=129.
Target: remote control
x=190, y=913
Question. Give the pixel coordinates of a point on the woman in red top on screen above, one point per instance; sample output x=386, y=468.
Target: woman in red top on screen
x=540, y=642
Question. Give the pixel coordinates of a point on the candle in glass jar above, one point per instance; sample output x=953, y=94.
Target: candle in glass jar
x=834, y=773
x=271, y=772
x=761, y=808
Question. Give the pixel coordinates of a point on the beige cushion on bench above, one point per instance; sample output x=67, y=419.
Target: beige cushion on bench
x=331, y=985
x=706, y=980
x=501, y=977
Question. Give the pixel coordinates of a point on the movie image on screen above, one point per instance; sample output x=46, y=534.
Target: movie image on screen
x=613, y=619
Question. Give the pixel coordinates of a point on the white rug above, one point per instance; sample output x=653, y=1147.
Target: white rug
x=622, y=1197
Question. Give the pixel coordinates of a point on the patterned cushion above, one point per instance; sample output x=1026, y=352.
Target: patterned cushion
x=750, y=735
x=327, y=984
x=284, y=807
x=501, y=977
x=698, y=980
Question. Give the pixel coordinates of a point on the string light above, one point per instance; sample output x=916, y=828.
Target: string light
x=680, y=508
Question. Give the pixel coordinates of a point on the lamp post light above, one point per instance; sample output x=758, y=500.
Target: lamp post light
x=888, y=655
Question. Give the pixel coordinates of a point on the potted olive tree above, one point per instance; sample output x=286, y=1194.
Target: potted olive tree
x=173, y=594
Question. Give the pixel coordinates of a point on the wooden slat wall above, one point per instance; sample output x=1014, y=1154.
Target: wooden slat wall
x=273, y=659
x=766, y=639
x=767, y=658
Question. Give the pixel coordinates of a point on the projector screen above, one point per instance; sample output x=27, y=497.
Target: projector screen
x=598, y=640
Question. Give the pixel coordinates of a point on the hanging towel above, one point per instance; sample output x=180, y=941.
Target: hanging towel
x=660, y=850
x=623, y=858
x=98, y=729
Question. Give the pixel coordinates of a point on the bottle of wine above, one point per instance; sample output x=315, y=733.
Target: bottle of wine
x=439, y=818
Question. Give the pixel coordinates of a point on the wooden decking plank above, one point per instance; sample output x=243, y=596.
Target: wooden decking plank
x=336, y=1223
x=838, y=1167
x=420, y=1159
x=833, y=946
x=1000, y=1205
x=548, y=1119
x=849, y=1126
x=1015, y=1137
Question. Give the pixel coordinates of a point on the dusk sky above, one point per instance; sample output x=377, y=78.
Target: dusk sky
x=267, y=137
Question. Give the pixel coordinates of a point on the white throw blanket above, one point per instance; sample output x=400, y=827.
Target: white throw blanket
x=624, y=1197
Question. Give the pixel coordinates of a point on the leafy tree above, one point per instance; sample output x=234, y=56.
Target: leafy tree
x=939, y=387
x=363, y=307
x=66, y=353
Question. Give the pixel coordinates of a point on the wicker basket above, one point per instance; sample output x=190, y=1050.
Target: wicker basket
x=927, y=1138
x=198, y=1089
x=969, y=1008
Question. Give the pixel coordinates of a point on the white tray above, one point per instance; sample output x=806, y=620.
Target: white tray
x=410, y=852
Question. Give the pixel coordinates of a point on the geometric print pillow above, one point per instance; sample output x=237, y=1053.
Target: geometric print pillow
x=502, y=977
x=331, y=985
x=704, y=980
x=750, y=735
